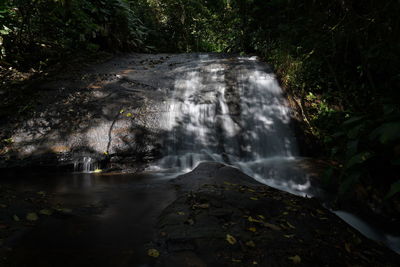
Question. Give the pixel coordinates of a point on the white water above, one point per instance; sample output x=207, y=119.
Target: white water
x=232, y=111
x=85, y=165
x=255, y=137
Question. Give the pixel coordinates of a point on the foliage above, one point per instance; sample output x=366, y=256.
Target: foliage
x=36, y=31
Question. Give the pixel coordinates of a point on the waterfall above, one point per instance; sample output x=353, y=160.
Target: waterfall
x=232, y=110
x=86, y=164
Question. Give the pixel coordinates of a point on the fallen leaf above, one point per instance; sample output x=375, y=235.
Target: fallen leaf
x=288, y=236
x=190, y=221
x=262, y=217
x=254, y=198
x=129, y=114
x=290, y=225
x=121, y=111
x=320, y=211
x=45, y=212
x=153, y=253
x=16, y=218
x=250, y=244
x=231, y=240
x=296, y=259
x=32, y=216
x=163, y=234
x=252, y=229
x=236, y=260
x=347, y=247
x=64, y=210
x=41, y=193
x=201, y=206
x=180, y=213
x=272, y=226
x=255, y=263
x=251, y=219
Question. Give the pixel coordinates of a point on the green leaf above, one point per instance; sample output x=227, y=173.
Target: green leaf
x=348, y=182
x=45, y=212
x=386, y=133
x=153, y=253
x=394, y=189
x=357, y=159
x=32, y=216
x=295, y=259
x=352, y=147
x=353, y=120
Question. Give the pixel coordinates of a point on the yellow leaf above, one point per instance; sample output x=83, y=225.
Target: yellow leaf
x=347, y=247
x=32, y=217
x=153, y=253
x=251, y=219
x=129, y=114
x=291, y=226
x=201, y=206
x=272, y=226
x=45, y=212
x=255, y=263
x=236, y=260
x=296, y=259
x=180, y=213
x=231, y=240
x=254, y=198
x=106, y=153
x=252, y=229
x=262, y=217
x=97, y=171
x=250, y=244
x=121, y=111
x=320, y=211
x=288, y=236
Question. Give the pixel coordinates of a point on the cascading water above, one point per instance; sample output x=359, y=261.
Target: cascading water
x=85, y=164
x=232, y=110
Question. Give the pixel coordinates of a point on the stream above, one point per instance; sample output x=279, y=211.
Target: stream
x=223, y=109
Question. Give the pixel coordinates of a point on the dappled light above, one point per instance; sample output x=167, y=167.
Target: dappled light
x=199, y=133
x=231, y=110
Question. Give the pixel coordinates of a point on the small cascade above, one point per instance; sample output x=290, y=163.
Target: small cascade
x=86, y=165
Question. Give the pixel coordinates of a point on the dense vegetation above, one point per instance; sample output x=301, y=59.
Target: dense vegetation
x=337, y=59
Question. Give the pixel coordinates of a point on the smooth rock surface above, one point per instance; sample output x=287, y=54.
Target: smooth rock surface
x=222, y=217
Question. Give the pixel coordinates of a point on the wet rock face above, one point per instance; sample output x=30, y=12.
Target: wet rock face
x=222, y=218
x=109, y=110
x=186, y=107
